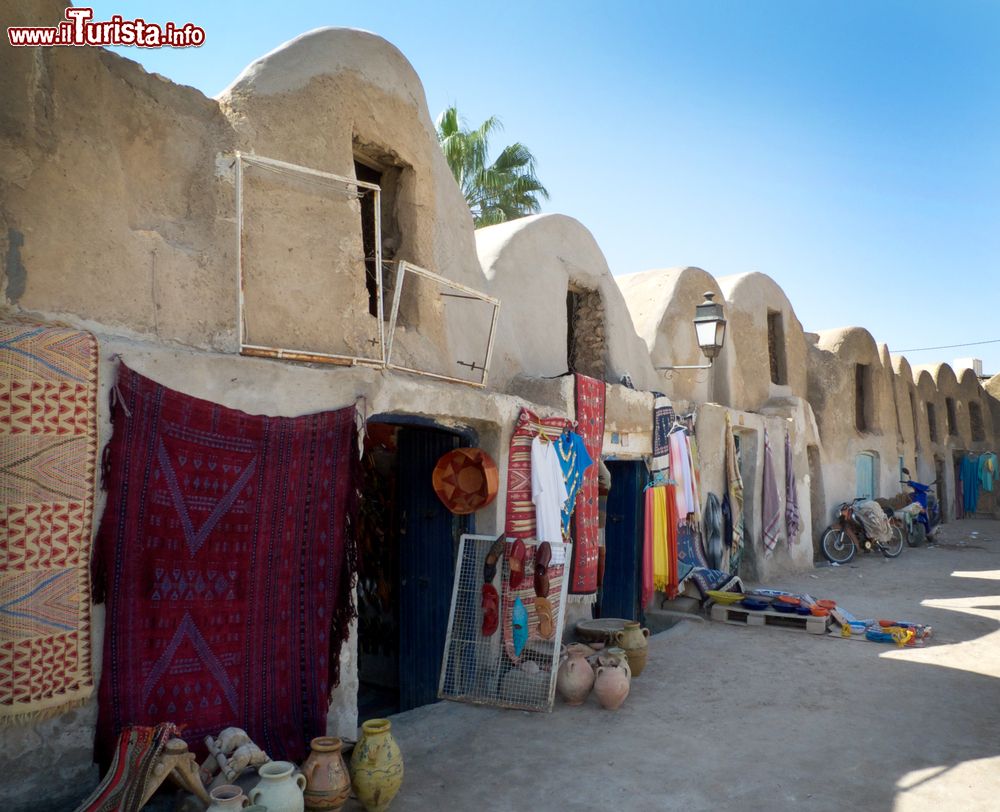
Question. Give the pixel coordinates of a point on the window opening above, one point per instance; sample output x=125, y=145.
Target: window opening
x=585, y=330
x=862, y=397
x=932, y=422
x=368, y=236
x=976, y=422
x=776, y=347
x=949, y=405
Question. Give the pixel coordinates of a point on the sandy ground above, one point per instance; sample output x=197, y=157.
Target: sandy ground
x=756, y=718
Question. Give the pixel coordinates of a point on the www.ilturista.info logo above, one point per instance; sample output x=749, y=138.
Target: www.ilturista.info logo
x=78, y=29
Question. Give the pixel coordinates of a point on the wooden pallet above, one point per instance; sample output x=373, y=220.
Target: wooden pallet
x=770, y=617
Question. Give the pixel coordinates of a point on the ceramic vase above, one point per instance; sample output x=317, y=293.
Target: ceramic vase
x=376, y=766
x=327, y=783
x=575, y=677
x=612, y=685
x=635, y=640
x=280, y=787
x=227, y=798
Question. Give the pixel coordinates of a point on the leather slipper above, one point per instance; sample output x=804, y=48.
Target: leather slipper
x=492, y=557
x=543, y=557
x=543, y=611
x=519, y=624
x=516, y=562
x=491, y=610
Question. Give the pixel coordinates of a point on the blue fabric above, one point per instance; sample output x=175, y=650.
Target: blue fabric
x=574, y=460
x=969, y=473
x=693, y=564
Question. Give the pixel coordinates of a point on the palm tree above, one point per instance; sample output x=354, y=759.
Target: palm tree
x=503, y=190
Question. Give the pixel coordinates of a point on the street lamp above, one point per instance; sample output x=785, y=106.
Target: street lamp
x=710, y=327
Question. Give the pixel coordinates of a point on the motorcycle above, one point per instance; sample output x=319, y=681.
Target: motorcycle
x=847, y=536
x=929, y=517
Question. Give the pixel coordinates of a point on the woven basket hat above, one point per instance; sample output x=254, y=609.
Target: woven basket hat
x=466, y=480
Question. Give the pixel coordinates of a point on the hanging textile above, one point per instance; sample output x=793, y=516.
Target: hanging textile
x=548, y=489
x=734, y=488
x=663, y=419
x=654, y=570
x=970, y=483
x=792, y=520
x=987, y=470
x=713, y=532
x=771, y=514
x=692, y=564
x=590, y=394
x=48, y=461
x=683, y=474
x=520, y=521
x=692, y=454
x=224, y=558
x=574, y=460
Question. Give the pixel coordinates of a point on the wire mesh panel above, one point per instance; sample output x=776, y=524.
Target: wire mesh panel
x=485, y=669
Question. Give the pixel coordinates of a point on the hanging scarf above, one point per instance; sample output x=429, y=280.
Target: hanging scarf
x=792, y=520
x=771, y=514
x=734, y=487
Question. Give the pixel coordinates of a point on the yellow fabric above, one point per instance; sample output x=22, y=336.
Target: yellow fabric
x=734, y=486
x=661, y=560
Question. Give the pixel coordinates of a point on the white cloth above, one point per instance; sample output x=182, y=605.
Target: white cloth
x=548, y=491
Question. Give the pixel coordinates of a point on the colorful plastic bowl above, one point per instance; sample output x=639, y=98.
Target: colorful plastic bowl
x=820, y=611
x=825, y=604
x=789, y=600
x=725, y=598
x=754, y=604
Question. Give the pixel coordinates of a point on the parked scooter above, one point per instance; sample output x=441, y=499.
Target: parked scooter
x=929, y=517
x=847, y=536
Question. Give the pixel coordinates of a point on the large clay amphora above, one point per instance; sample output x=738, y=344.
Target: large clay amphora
x=633, y=638
x=575, y=677
x=328, y=785
x=376, y=766
x=612, y=685
x=280, y=788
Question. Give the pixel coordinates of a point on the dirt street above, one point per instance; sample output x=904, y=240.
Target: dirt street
x=751, y=718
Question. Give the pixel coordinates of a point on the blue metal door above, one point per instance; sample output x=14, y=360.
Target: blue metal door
x=623, y=531
x=864, y=468
x=427, y=550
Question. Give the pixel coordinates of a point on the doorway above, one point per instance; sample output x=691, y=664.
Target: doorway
x=623, y=538
x=817, y=500
x=407, y=547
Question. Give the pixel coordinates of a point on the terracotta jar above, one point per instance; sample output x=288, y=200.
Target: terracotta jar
x=635, y=640
x=575, y=677
x=280, y=787
x=612, y=685
x=227, y=798
x=376, y=766
x=328, y=785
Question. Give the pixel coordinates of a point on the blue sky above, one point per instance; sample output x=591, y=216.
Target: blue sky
x=850, y=150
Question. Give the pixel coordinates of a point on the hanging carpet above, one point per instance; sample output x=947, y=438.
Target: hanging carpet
x=226, y=565
x=48, y=453
x=590, y=394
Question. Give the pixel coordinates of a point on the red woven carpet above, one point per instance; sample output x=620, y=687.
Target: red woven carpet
x=223, y=556
x=590, y=425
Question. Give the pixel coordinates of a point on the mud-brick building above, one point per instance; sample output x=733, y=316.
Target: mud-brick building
x=298, y=244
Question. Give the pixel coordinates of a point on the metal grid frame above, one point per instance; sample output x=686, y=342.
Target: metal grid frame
x=481, y=670
x=405, y=268
x=304, y=354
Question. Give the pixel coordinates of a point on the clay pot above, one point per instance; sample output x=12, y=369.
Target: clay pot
x=376, y=766
x=280, y=787
x=634, y=639
x=612, y=685
x=328, y=785
x=227, y=798
x=575, y=677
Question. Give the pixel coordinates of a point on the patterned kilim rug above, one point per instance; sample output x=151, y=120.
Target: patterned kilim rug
x=132, y=765
x=224, y=558
x=48, y=451
x=590, y=425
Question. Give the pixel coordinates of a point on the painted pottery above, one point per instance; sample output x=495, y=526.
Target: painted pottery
x=634, y=639
x=327, y=783
x=612, y=685
x=227, y=798
x=575, y=677
x=376, y=766
x=280, y=787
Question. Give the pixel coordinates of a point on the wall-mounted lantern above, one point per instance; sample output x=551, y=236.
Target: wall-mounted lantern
x=710, y=327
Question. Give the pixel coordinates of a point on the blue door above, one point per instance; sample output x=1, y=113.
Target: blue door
x=623, y=531
x=865, y=473
x=428, y=546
